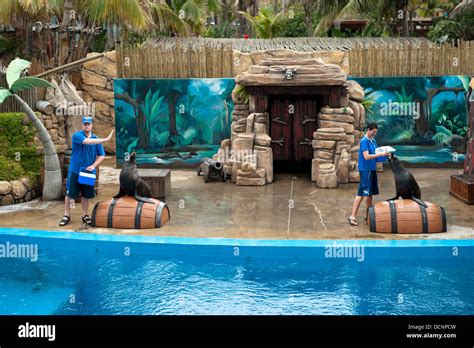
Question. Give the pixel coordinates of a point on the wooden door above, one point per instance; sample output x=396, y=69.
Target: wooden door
x=304, y=125
x=281, y=128
x=293, y=122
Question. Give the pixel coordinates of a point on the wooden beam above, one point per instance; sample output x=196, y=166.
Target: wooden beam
x=71, y=65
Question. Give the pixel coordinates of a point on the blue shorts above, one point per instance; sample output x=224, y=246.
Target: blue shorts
x=368, y=184
x=74, y=188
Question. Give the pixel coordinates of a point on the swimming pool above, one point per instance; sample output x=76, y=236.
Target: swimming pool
x=81, y=273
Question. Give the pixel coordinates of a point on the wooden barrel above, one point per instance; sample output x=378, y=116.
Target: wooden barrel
x=127, y=212
x=406, y=216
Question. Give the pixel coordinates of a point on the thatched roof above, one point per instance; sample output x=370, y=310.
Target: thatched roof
x=302, y=44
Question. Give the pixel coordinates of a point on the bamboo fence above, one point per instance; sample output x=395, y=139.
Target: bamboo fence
x=367, y=57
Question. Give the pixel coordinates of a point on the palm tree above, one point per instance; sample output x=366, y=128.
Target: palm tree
x=194, y=12
x=53, y=185
x=266, y=24
x=168, y=20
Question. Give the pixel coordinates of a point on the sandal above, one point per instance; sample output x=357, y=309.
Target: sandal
x=87, y=219
x=64, y=221
x=352, y=221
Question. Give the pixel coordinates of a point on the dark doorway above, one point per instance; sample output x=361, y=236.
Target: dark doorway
x=293, y=120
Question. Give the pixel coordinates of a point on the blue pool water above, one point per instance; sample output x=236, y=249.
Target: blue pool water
x=102, y=274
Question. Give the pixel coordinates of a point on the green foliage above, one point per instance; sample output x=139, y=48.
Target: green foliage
x=294, y=27
x=454, y=126
x=10, y=47
x=460, y=27
x=99, y=42
x=242, y=93
x=266, y=25
x=17, y=146
x=221, y=30
x=10, y=169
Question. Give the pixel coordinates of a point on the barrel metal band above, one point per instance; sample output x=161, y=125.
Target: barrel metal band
x=393, y=216
x=94, y=212
x=110, y=214
x=424, y=218
x=372, y=218
x=443, y=218
x=159, y=211
x=138, y=214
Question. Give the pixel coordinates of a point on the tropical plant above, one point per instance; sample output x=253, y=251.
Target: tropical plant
x=194, y=12
x=460, y=27
x=168, y=20
x=294, y=24
x=52, y=189
x=242, y=93
x=267, y=24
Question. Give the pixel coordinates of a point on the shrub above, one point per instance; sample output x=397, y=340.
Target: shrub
x=17, y=148
x=10, y=169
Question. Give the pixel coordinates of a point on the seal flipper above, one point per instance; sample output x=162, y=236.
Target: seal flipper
x=144, y=199
x=394, y=198
x=419, y=201
x=416, y=194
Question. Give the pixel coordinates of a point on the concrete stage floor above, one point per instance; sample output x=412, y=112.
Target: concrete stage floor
x=225, y=210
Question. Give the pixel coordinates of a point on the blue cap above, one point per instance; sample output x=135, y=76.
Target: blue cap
x=87, y=119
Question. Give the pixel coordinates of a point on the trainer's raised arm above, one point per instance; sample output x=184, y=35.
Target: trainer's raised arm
x=89, y=141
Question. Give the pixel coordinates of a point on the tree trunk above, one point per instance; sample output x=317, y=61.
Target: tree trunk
x=53, y=180
x=255, y=8
x=308, y=21
x=29, y=39
x=241, y=30
x=63, y=36
x=172, y=111
x=405, y=31
x=140, y=119
x=110, y=37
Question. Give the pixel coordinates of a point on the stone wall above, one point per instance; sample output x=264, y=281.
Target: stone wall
x=57, y=130
x=17, y=191
x=98, y=88
x=336, y=142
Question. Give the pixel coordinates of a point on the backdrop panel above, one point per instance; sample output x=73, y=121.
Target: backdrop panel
x=172, y=123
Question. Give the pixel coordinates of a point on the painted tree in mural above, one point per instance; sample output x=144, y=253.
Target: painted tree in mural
x=52, y=189
x=133, y=97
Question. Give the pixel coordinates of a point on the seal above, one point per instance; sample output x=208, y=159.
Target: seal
x=405, y=182
x=131, y=184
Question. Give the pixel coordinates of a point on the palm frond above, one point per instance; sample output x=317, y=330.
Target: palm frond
x=15, y=68
x=166, y=19
x=130, y=13
x=24, y=83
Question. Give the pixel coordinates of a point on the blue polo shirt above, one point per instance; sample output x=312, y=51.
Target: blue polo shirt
x=368, y=145
x=83, y=155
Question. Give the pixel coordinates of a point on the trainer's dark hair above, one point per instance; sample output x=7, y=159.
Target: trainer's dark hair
x=372, y=126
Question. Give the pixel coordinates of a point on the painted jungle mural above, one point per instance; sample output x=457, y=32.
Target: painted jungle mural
x=172, y=122
x=423, y=118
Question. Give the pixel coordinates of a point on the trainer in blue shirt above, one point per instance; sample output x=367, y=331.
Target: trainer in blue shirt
x=368, y=185
x=87, y=153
